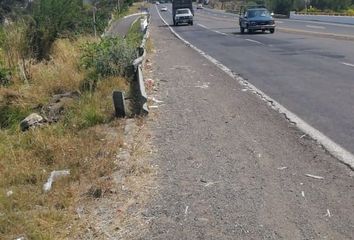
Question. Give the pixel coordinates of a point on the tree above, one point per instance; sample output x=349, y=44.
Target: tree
x=53, y=18
x=281, y=6
x=8, y=8
x=332, y=4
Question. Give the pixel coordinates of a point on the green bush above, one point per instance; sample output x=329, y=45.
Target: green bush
x=109, y=57
x=11, y=116
x=134, y=36
x=5, y=76
x=53, y=18
x=350, y=12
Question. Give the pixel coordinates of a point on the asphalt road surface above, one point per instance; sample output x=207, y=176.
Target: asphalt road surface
x=227, y=165
x=304, y=25
x=310, y=74
x=122, y=26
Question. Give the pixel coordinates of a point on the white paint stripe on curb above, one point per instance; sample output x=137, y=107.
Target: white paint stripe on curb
x=335, y=149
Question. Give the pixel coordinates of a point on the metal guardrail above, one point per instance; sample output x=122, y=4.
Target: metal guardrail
x=141, y=96
x=138, y=63
x=323, y=14
x=323, y=18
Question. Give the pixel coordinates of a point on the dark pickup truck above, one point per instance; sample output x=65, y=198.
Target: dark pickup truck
x=256, y=18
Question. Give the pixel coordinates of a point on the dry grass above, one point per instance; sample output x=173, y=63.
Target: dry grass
x=26, y=159
x=126, y=192
x=149, y=46
x=86, y=141
x=135, y=8
x=26, y=163
x=61, y=74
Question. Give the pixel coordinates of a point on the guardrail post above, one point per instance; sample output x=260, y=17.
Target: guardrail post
x=119, y=105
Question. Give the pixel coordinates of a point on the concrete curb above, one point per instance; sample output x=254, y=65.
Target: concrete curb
x=333, y=148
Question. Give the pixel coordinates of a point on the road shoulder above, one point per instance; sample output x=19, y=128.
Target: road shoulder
x=232, y=167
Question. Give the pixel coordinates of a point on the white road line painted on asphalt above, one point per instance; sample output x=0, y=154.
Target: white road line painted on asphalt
x=348, y=64
x=254, y=41
x=339, y=36
x=216, y=18
x=201, y=25
x=317, y=27
x=220, y=33
x=335, y=149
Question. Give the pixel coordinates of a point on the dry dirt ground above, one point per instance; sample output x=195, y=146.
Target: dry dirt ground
x=230, y=167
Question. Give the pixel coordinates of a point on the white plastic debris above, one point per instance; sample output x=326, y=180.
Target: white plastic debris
x=155, y=100
x=186, y=211
x=303, y=193
x=314, y=176
x=328, y=214
x=203, y=86
x=20, y=238
x=282, y=168
x=53, y=176
x=153, y=107
x=9, y=193
x=302, y=136
x=210, y=183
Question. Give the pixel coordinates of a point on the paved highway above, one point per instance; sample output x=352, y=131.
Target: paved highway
x=283, y=24
x=312, y=75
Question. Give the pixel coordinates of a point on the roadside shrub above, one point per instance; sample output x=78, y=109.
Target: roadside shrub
x=87, y=113
x=134, y=35
x=110, y=57
x=350, y=12
x=53, y=18
x=11, y=116
x=15, y=47
x=5, y=76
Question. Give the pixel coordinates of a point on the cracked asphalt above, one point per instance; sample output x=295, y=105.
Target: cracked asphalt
x=230, y=167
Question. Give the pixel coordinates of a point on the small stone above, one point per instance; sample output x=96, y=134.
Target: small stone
x=33, y=120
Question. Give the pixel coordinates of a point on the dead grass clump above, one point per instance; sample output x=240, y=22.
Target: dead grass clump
x=149, y=46
x=76, y=143
x=61, y=73
x=95, y=107
x=25, y=165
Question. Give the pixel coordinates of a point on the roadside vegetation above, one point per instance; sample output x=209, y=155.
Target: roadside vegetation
x=285, y=6
x=47, y=49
